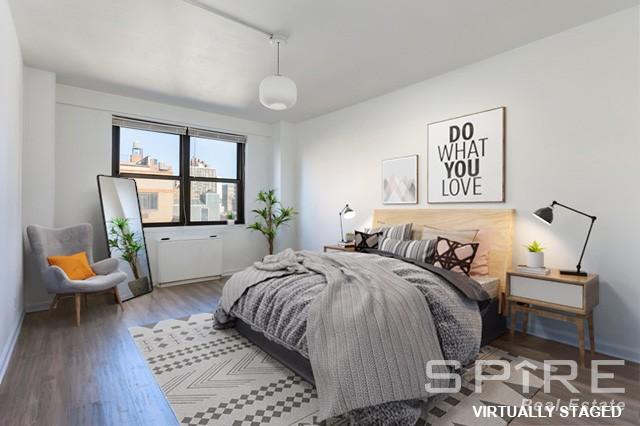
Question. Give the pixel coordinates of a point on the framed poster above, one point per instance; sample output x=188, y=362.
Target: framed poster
x=400, y=180
x=466, y=158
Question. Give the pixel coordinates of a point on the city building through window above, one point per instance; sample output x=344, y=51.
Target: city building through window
x=184, y=176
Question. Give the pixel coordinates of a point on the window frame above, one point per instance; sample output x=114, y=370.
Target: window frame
x=185, y=179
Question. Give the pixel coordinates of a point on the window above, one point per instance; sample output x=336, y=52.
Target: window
x=184, y=176
x=148, y=200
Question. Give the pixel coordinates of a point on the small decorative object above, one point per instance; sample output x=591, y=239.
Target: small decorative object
x=350, y=236
x=545, y=214
x=348, y=213
x=535, y=255
x=466, y=158
x=400, y=180
x=231, y=218
x=126, y=242
x=271, y=216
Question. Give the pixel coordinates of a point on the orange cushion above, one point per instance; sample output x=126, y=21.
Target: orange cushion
x=75, y=266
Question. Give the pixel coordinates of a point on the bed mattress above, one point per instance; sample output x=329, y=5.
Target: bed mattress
x=489, y=284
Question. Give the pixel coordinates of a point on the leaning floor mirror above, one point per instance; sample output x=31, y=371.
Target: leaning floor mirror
x=125, y=236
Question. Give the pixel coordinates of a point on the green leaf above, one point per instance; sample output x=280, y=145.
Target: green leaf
x=534, y=247
x=271, y=215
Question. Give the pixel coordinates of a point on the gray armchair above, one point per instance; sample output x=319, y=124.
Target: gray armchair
x=47, y=242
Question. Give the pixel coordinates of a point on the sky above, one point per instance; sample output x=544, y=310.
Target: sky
x=166, y=148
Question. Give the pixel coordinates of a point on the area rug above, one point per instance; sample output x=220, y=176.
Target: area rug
x=218, y=377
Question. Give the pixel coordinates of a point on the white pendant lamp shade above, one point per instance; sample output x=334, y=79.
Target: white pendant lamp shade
x=278, y=92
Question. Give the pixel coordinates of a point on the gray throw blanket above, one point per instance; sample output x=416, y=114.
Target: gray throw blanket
x=370, y=332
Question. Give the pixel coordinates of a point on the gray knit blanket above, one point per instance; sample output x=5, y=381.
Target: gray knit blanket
x=365, y=322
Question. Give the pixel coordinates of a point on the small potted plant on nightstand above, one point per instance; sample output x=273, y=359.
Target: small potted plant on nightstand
x=535, y=255
x=231, y=218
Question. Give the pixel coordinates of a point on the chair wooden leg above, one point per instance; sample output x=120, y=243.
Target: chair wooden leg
x=116, y=294
x=54, y=302
x=78, y=303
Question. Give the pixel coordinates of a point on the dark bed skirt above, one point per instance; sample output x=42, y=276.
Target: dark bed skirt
x=493, y=325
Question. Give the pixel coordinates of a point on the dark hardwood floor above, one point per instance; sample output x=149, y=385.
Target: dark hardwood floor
x=61, y=374
x=93, y=375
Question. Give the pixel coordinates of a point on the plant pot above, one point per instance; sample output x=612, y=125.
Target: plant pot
x=231, y=222
x=535, y=259
x=139, y=286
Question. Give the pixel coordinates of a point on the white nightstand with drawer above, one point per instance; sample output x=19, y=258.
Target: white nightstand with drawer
x=560, y=297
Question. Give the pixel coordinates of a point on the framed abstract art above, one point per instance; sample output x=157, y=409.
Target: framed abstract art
x=400, y=180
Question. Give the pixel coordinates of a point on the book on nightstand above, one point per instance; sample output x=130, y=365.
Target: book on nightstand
x=347, y=244
x=529, y=270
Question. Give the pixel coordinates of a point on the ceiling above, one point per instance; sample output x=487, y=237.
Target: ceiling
x=340, y=52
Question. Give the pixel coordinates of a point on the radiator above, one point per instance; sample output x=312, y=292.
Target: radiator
x=184, y=260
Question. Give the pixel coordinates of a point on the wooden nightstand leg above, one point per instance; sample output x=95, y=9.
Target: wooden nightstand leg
x=512, y=331
x=580, y=325
x=592, y=336
x=525, y=321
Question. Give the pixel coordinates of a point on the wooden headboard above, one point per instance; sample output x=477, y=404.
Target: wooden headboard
x=495, y=225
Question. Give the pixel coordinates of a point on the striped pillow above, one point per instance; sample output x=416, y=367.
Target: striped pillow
x=398, y=232
x=420, y=250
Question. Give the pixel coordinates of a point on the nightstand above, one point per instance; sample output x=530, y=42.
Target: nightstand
x=338, y=247
x=560, y=297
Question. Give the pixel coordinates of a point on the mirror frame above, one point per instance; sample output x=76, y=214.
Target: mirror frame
x=106, y=231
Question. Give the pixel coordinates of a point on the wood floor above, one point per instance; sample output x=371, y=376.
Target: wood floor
x=93, y=375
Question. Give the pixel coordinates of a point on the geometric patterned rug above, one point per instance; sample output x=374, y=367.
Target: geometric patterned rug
x=218, y=377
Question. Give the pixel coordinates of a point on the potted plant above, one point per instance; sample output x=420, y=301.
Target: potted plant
x=271, y=216
x=535, y=255
x=125, y=241
x=231, y=218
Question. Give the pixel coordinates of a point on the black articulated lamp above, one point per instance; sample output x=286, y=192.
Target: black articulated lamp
x=545, y=214
x=348, y=213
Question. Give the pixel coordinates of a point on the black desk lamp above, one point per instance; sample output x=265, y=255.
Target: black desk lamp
x=545, y=214
x=348, y=213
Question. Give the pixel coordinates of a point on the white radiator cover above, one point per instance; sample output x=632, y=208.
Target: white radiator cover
x=189, y=259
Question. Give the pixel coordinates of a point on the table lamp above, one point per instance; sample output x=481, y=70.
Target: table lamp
x=545, y=214
x=348, y=213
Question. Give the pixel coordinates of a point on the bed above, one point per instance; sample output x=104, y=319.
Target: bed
x=496, y=228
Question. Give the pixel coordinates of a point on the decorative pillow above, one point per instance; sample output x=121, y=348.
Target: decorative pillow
x=454, y=256
x=364, y=240
x=420, y=250
x=480, y=264
x=75, y=266
x=461, y=235
x=398, y=232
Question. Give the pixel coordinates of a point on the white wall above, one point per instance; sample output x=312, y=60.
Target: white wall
x=285, y=181
x=11, y=301
x=38, y=171
x=572, y=135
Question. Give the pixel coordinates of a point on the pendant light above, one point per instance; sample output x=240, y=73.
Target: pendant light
x=278, y=92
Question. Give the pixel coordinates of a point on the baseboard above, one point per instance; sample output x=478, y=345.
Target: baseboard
x=7, y=351
x=232, y=271
x=190, y=281
x=571, y=339
x=37, y=307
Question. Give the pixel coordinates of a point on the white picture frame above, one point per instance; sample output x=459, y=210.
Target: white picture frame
x=400, y=180
x=465, y=161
